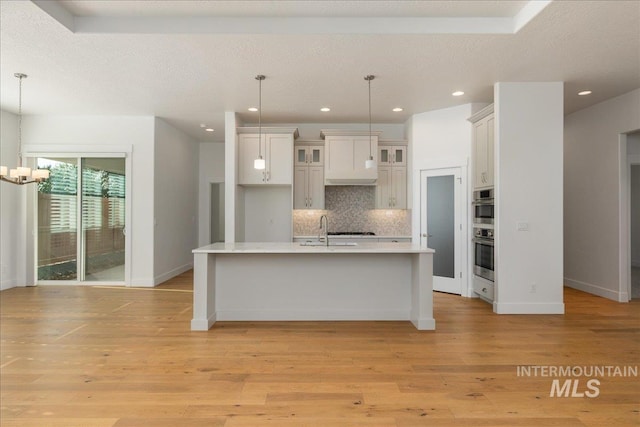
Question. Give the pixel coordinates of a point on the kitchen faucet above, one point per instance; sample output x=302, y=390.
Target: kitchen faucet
x=326, y=229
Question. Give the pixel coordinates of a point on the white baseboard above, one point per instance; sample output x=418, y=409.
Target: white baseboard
x=203, y=324
x=171, y=274
x=597, y=290
x=528, y=308
x=142, y=283
x=305, y=315
x=8, y=284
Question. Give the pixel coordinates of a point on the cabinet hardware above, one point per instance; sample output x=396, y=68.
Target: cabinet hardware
x=484, y=290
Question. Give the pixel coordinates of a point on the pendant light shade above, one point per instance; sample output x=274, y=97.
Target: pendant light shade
x=259, y=163
x=369, y=163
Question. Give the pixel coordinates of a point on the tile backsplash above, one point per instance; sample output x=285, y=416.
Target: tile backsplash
x=352, y=208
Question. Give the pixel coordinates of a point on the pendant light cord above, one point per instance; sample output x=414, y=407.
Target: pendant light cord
x=370, y=155
x=260, y=78
x=368, y=78
x=20, y=76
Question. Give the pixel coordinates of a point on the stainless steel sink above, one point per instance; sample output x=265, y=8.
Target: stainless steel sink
x=330, y=244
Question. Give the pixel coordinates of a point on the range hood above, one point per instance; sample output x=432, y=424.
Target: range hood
x=345, y=155
x=350, y=181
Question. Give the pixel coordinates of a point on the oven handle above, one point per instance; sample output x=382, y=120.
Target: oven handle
x=488, y=242
x=483, y=202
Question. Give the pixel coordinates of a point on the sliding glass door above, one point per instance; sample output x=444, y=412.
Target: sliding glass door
x=81, y=234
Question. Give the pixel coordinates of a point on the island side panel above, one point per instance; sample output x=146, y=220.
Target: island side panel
x=422, y=291
x=204, y=291
x=313, y=286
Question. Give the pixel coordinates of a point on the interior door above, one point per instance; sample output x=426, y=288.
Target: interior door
x=441, y=225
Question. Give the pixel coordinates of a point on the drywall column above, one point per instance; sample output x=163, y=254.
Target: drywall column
x=233, y=194
x=529, y=198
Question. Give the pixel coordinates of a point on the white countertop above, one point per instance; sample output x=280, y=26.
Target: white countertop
x=353, y=236
x=297, y=248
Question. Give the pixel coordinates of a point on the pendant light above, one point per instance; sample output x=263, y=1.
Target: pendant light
x=369, y=164
x=259, y=163
x=22, y=175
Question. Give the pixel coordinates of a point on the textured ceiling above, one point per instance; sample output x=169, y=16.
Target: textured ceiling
x=190, y=79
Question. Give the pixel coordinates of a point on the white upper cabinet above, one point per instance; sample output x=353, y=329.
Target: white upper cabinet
x=392, y=155
x=310, y=155
x=391, y=190
x=276, y=147
x=308, y=180
x=483, y=147
x=308, y=187
x=345, y=155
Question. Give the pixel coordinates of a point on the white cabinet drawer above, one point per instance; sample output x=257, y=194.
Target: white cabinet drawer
x=484, y=288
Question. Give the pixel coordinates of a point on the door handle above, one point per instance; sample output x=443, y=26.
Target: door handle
x=427, y=235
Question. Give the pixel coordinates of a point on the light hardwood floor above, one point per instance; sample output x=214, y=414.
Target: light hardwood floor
x=94, y=357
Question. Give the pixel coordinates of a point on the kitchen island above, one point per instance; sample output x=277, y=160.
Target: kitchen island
x=291, y=281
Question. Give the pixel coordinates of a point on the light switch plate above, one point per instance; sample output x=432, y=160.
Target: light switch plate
x=522, y=226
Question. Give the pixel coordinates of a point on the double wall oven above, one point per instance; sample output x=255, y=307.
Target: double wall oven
x=483, y=207
x=483, y=243
x=484, y=261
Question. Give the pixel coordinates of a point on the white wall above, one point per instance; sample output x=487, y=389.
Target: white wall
x=528, y=176
x=591, y=186
x=175, y=201
x=12, y=206
x=442, y=135
x=439, y=138
x=268, y=214
x=106, y=132
x=211, y=169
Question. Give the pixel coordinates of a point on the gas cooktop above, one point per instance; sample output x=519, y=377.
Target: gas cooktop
x=351, y=233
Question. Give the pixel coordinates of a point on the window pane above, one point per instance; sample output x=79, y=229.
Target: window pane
x=57, y=222
x=103, y=214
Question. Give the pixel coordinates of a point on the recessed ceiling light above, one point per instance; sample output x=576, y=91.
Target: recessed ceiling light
x=397, y=109
x=253, y=109
x=325, y=109
x=458, y=93
x=584, y=92
x=209, y=129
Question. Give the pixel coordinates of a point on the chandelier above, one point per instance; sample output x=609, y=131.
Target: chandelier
x=22, y=175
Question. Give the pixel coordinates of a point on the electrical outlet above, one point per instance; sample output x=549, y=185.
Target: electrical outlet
x=534, y=288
